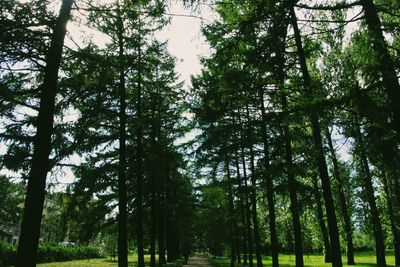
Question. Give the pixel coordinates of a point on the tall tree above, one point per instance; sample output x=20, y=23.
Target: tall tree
x=320, y=157
x=33, y=207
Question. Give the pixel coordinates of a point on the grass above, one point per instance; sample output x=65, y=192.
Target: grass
x=105, y=262
x=361, y=259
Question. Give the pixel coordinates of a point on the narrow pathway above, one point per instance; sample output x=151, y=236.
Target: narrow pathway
x=198, y=260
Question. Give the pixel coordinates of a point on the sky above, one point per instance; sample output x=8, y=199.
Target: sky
x=185, y=40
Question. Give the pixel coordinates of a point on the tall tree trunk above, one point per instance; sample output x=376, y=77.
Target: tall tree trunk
x=342, y=200
x=169, y=236
x=122, y=191
x=161, y=194
x=369, y=194
x=139, y=154
x=393, y=217
x=253, y=195
x=247, y=204
x=35, y=194
x=242, y=210
x=270, y=190
x=161, y=226
x=231, y=215
x=321, y=222
x=292, y=184
x=385, y=62
x=320, y=157
x=153, y=183
x=237, y=239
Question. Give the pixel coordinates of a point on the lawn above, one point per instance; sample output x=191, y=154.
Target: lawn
x=362, y=259
x=105, y=262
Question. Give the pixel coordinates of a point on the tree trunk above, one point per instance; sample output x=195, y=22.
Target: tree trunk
x=161, y=221
x=270, y=190
x=369, y=193
x=122, y=191
x=161, y=194
x=139, y=154
x=320, y=157
x=392, y=218
x=343, y=203
x=242, y=210
x=231, y=215
x=35, y=194
x=247, y=205
x=153, y=183
x=292, y=184
x=253, y=196
x=161, y=227
x=321, y=222
x=235, y=228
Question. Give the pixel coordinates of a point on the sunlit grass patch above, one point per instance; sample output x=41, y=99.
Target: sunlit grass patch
x=288, y=260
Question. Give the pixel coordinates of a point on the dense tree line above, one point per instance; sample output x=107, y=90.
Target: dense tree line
x=116, y=104
x=285, y=84
x=285, y=81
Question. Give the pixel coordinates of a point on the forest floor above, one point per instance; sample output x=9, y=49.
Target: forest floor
x=314, y=260
x=104, y=262
x=198, y=260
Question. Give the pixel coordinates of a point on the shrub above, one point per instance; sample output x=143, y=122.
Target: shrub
x=7, y=254
x=49, y=253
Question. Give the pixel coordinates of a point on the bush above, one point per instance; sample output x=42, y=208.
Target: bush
x=49, y=253
x=7, y=254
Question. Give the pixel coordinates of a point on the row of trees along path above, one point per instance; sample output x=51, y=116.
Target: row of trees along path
x=285, y=82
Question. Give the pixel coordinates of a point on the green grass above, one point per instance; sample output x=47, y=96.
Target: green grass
x=106, y=262
x=361, y=259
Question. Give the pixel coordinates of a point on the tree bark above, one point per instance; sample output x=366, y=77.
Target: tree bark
x=247, y=204
x=161, y=194
x=122, y=191
x=321, y=222
x=242, y=210
x=292, y=184
x=392, y=212
x=139, y=155
x=253, y=195
x=161, y=220
x=369, y=193
x=153, y=183
x=34, y=200
x=342, y=200
x=270, y=190
x=231, y=215
x=320, y=157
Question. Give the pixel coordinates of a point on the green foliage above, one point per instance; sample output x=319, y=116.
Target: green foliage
x=11, y=197
x=49, y=253
x=213, y=211
x=8, y=254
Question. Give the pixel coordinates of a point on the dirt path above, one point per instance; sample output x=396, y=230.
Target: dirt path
x=198, y=260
